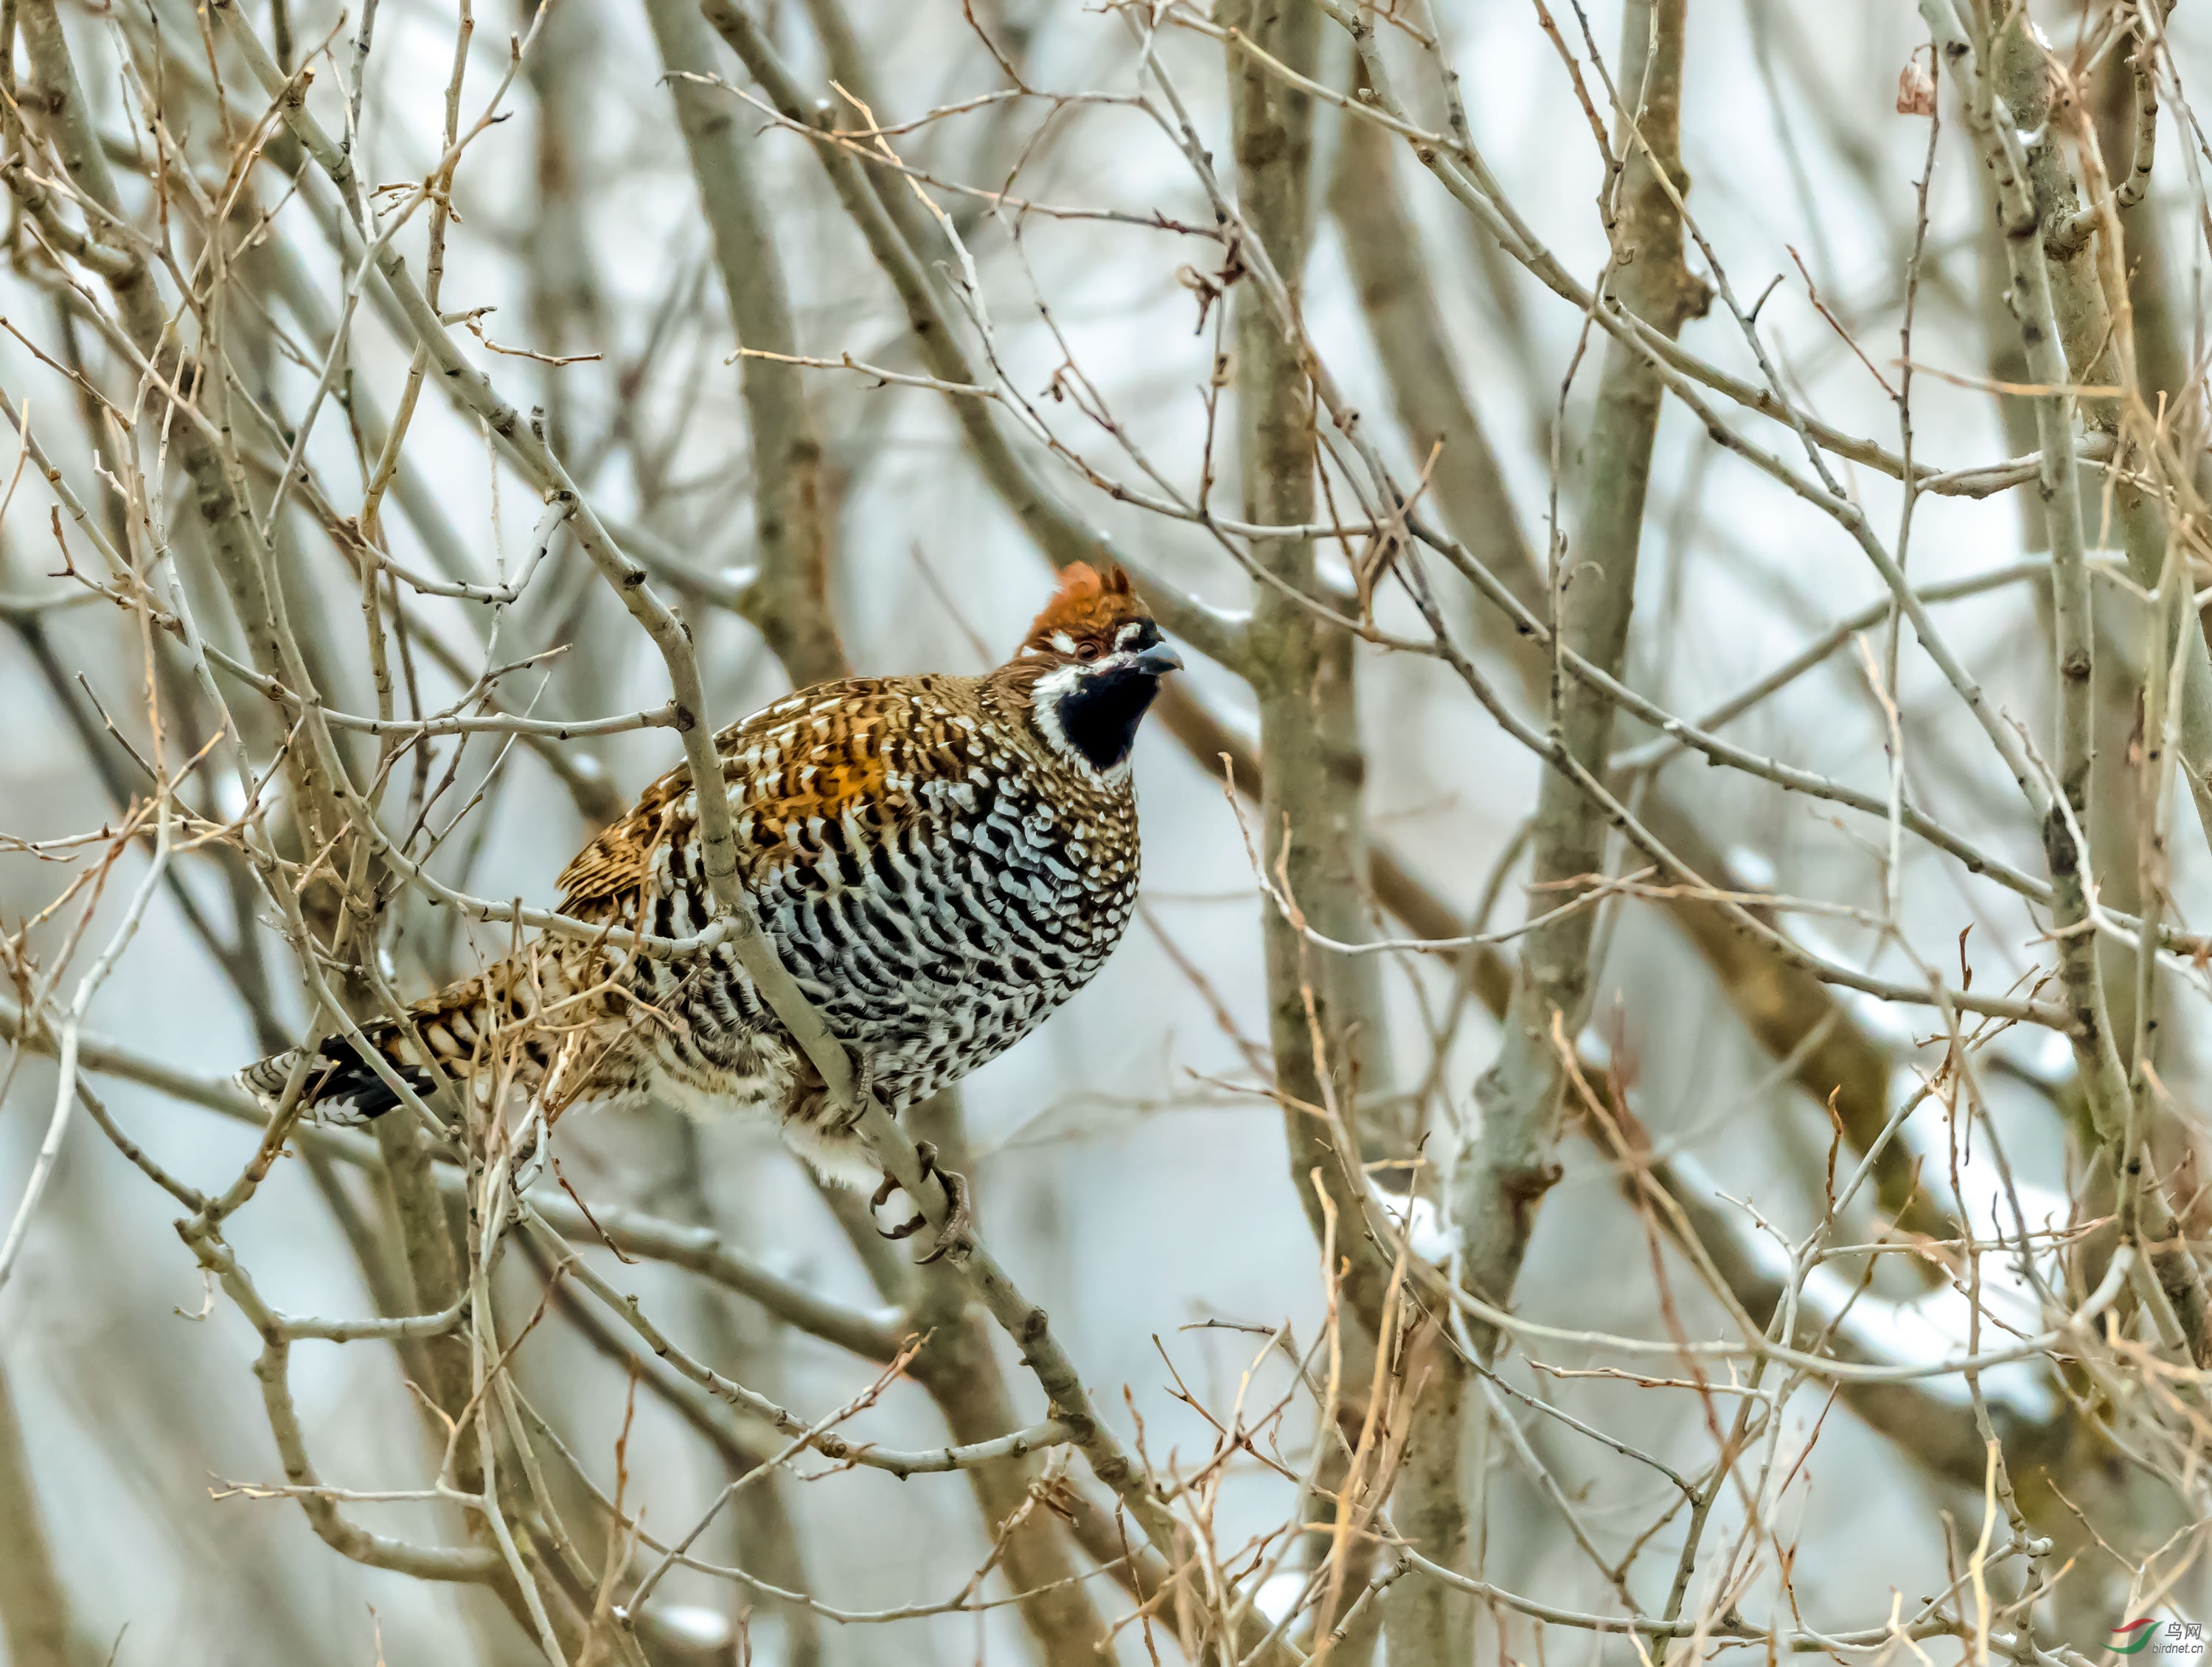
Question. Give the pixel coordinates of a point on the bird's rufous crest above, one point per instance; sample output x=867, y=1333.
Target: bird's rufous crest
x=1088, y=605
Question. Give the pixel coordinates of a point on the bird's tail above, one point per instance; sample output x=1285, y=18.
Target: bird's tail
x=457, y=1028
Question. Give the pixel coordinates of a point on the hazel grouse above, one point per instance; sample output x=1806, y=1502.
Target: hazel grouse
x=940, y=861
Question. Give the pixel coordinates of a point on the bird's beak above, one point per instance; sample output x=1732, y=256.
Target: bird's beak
x=1157, y=661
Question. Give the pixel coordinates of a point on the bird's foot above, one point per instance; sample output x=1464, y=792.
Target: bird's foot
x=956, y=1237
x=863, y=1088
x=955, y=1234
x=882, y=1196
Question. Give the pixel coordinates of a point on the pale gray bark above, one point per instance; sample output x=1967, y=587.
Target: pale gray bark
x=790, y=600
x=1510, y=1166
x=2027, y=208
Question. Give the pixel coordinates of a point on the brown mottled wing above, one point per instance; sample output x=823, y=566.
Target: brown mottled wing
x=870, y=745
x=818, y=781
x=604, y=880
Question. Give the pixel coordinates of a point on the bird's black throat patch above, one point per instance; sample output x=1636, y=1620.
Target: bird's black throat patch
x=1100, y=715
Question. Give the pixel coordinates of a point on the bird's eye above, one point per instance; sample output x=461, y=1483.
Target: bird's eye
x=1088, y=651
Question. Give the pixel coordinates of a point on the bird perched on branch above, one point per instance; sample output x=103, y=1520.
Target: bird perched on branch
x=939, y=861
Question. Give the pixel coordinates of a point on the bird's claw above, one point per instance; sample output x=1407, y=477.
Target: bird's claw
x=956, y=1238
x=864, y=1086
x=882, y=1196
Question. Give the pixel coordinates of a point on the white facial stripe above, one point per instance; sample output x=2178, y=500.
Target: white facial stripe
x=1128, y=633
x=1045, y=703
x=1063, y=642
